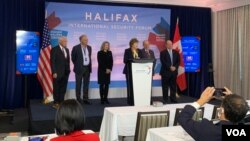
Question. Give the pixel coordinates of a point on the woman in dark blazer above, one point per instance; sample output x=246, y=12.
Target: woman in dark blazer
x=130, y=53
x=105, y=64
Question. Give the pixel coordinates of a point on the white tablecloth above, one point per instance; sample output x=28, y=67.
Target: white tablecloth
x=50, y=136
x=121, y=121
x=174, y=133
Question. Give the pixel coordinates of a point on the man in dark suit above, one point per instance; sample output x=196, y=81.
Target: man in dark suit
x=130, y=53
x=60, y=70
x=170, y=61
x=81, y=58
x=233, y=109
x=147, y=53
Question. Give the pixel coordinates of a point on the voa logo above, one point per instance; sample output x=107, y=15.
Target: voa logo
x=236, y=132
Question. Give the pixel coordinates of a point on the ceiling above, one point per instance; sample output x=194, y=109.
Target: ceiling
x=216, y=5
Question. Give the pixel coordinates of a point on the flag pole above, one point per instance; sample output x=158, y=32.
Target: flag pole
x=177, y=94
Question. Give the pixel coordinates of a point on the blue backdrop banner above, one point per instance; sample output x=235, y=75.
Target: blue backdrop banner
x=116, y=24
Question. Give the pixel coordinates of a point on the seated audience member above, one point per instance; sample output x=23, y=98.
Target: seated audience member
x=69, y=123
x=233, y=109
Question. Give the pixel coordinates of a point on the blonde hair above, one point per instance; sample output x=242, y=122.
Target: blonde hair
x=103, y=44
x=132, y=41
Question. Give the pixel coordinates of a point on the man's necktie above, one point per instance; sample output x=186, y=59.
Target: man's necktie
x=171, y=55
x=148, y=53
x=84, y=50
x=63, y=50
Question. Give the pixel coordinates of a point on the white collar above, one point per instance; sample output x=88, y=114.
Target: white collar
x=61, y=47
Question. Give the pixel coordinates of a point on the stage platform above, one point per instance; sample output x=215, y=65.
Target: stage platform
x=41, y=116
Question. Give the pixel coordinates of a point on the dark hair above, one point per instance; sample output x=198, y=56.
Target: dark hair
x=69, y=117
x=80, y=38
x=132, y=41
x=235, y=108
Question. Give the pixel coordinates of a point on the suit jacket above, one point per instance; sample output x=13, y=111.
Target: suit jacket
x=77, y=58
x=77, y=136
x=105, y=61
x=166, y=62
x=59, y=64
x=128, y=56
x=145, y=54
x=151, y=56
x=203, y=130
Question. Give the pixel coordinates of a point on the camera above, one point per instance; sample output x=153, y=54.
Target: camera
x=219, y=92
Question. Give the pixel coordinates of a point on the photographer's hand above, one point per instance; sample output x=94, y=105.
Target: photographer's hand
x=227, y=92
x=206, y=95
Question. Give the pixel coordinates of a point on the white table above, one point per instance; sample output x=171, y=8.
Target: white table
x=121, y=121
x=50, y=136
x=173, y=133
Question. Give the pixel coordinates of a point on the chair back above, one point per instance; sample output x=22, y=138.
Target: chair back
x=246, y=120
x=177, y=112
x=198, y=115
x=215, y=112
x=146, y=120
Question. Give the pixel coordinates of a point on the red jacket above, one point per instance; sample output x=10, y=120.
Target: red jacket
x=77, y=136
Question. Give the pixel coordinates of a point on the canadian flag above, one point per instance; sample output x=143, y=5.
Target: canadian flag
x=181, y=78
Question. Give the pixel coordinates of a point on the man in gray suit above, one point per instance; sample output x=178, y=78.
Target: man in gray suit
x=81, y=58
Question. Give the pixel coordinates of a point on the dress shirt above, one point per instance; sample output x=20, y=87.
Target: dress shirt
x=64, y=51
x=85, y=53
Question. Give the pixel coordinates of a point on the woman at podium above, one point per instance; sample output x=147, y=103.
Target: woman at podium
x=130, y=54
x=105, y=64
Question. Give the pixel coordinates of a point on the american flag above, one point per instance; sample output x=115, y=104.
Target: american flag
x=44, y=73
